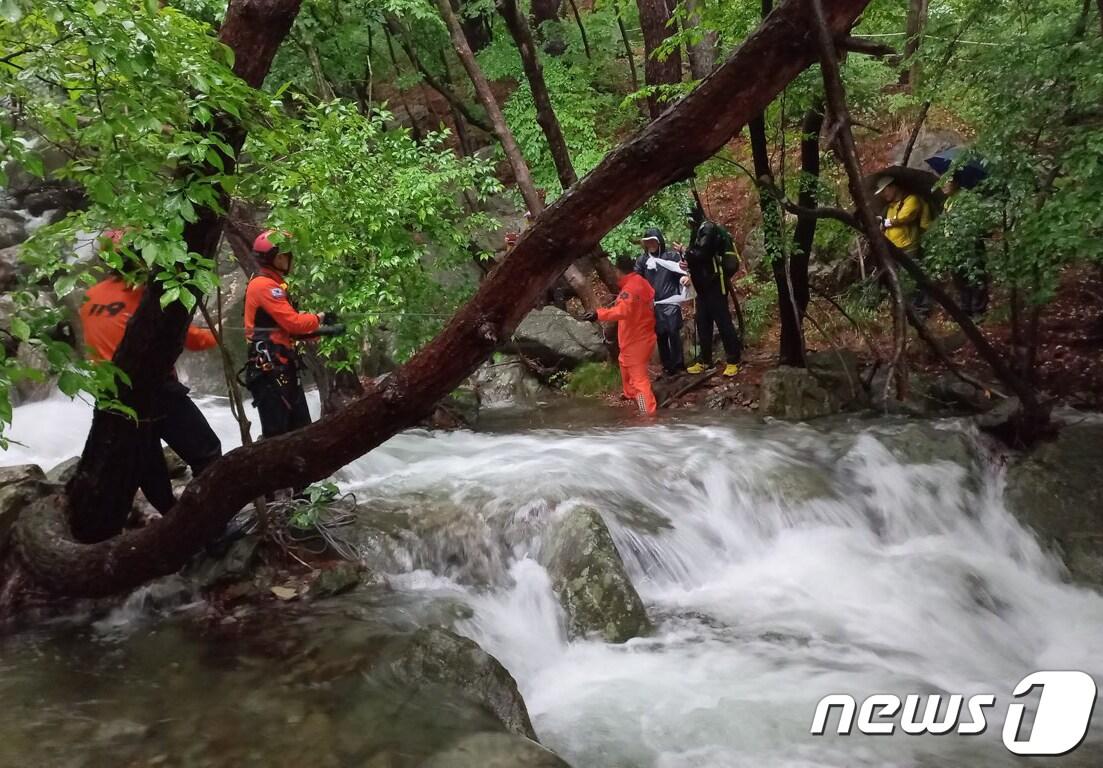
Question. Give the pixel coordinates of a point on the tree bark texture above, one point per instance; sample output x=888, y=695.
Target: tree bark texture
x=103, y=488
x=916, y=21
x=702, y=54
x=655, y=17
x=664, y=151
x=805, y=231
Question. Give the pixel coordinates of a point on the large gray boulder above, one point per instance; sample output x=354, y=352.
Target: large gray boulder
x=921, y=442
x=930, y=142
x=796, y=394
x=495, y=750
x=438, y=657
x=558, y=340
x=20, y=473
x=588, y=575
x=837, y=371
x=507, y=382
x=1056, y=491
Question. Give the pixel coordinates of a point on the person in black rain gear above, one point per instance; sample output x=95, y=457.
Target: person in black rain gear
x=655, y=266
x=710, y=261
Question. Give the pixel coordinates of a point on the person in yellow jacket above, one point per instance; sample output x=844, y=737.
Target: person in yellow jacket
x=908, y=216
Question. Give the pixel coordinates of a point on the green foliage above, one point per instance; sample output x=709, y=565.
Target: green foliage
x=1029, y=80
x=127, y=101
x=306, y=513
x=758, y=300
x=591, y=379
x=379, y=220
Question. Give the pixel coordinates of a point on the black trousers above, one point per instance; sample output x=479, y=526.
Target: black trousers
x=279, y=398
x=179, y=422
x=668, y=329
x=713, y=310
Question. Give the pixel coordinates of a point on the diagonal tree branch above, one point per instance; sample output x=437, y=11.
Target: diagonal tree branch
x=683, y=137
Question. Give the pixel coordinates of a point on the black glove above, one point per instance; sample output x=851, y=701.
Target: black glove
x=336, y=329
x=332, y=318
x=589, y=317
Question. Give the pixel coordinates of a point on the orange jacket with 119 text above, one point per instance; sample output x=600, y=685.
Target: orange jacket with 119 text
x=108, y=307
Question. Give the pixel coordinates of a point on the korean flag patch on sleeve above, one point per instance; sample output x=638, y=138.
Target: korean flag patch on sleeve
x=277, y=293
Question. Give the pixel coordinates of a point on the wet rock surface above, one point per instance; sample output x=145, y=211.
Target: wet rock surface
x=795, y=394
x=1056, y=490
x=508, y=382
x=589, y=577
x=556, y=339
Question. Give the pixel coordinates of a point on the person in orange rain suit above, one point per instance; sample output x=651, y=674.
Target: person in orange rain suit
x=271, y=323
x=108, y=307
x=634, y=314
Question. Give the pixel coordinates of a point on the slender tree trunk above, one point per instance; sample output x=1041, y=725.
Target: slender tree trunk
x=581, y=29
x=399, y=33
x=415, y=129
x=702, y=54
x=101, y=492
x=916, y=22
x=628, y=45
x=655, y=18
x=664, y=151
x=791, y=346
x=321, y=82
x=805, y=231
x=467, y=148
x=578, y=282
x=546, y=117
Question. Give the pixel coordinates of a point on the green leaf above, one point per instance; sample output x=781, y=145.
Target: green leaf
x=20, y=329
x=70, y=382
x=169, y=296
x=33, y=164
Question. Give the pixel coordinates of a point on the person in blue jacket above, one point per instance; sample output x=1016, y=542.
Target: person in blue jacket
x=667, y=283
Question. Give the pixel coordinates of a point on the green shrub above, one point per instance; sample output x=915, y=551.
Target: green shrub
x=591, y=379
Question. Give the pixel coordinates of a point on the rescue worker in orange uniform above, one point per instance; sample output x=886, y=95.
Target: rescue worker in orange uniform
x=108, y=307
x=271, y=326
x=634, y=314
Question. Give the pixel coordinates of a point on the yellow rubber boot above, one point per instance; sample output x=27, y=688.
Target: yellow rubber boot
x=696, y=368
x=731, y=369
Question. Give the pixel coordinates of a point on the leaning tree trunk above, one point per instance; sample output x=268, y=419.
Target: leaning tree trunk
x=664, y=151
x=702, y=54
x=655, y=20
x=545, y=115
x=101, y=492
x=578, y=282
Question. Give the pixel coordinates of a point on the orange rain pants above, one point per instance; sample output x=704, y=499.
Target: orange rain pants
x=634, y=314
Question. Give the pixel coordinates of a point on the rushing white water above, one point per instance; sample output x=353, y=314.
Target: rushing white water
x=779, y=564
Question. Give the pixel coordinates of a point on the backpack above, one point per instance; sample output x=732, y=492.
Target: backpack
x=729, y=257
